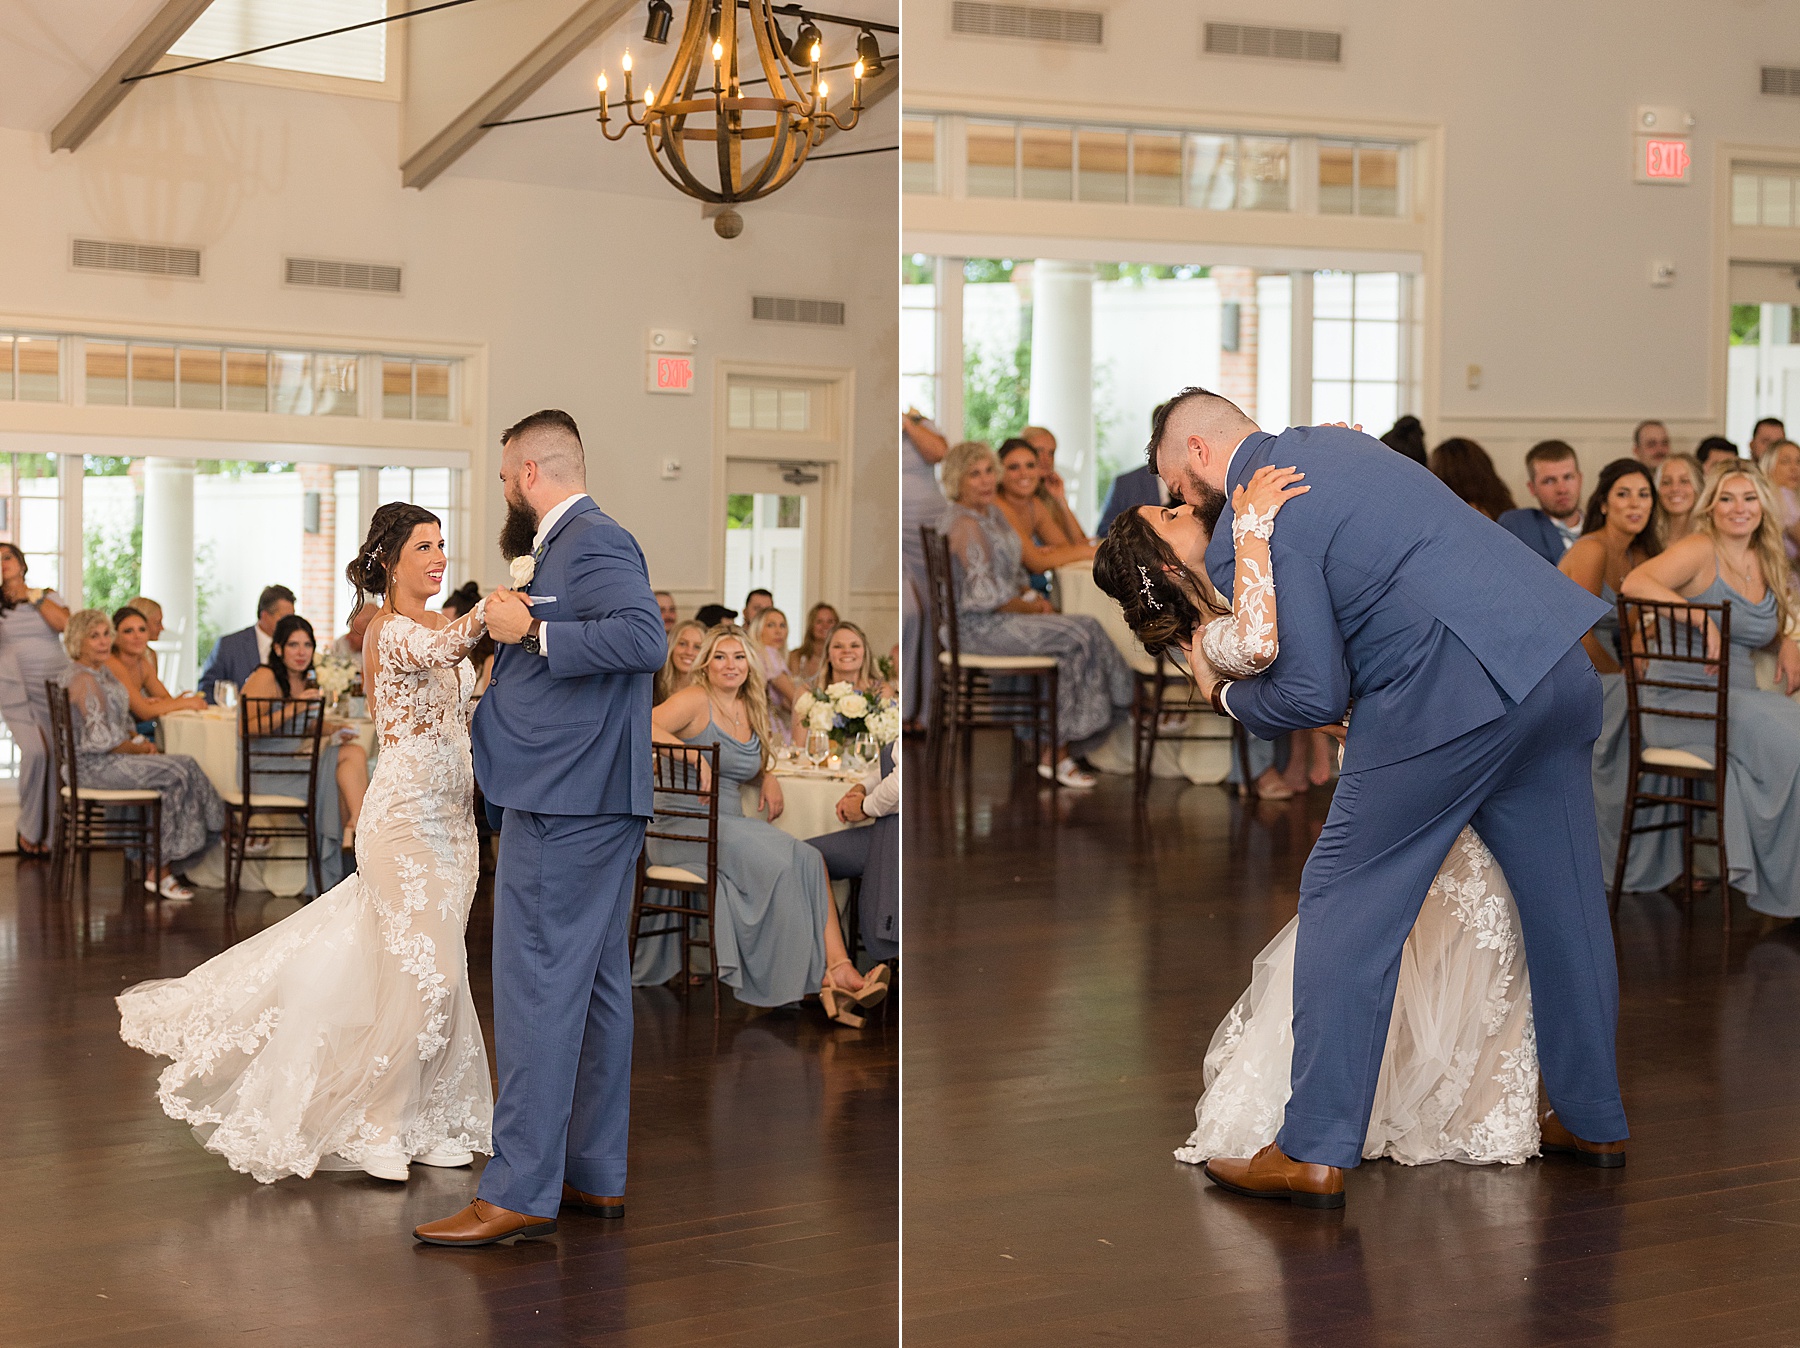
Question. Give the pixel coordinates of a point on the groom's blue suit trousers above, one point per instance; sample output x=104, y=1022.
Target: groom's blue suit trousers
x=1525, y=782
x=562, y=1007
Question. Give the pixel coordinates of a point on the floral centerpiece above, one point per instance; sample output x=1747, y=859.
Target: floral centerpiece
x=843, y=713
x=335, y=675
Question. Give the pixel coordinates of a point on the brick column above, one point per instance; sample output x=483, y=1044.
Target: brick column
x=318, y=555
x=1237, y=369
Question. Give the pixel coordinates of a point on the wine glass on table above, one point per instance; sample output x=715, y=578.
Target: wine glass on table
x=818, y=748
x=864, y=750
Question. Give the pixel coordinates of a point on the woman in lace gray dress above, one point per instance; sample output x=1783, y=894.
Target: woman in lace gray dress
x=31, y=652
x=1735, y=556
x=1459, y=1073
x=997, y=612
x=110, y=752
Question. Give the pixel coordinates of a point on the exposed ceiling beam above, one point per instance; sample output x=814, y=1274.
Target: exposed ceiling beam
x=875, y=89
x=141, y=53
x=575, y=35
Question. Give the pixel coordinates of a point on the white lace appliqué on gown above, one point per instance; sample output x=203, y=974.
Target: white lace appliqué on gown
x=346, y=1031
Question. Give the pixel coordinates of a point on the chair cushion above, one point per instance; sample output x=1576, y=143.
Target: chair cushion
x=236, y=797
x=1676, y=758
x=122, y=797
x=672, y=875
x=968, y=661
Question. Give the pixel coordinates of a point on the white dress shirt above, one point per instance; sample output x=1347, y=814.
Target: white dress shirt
x=547, y=522
x=884, y=796
x=265, y=642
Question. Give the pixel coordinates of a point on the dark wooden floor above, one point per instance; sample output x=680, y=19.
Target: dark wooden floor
x=762, y=1201
x=1069, y=959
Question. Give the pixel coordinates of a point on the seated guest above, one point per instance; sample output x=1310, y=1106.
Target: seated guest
x=343, y=763
x=109, y=752
x=848, y=659
x=1051, y=489
x=350, y=645
x=1714, y=453
x=1678, y=484
x=871, y=855
x=684, y=645
x=1735, y=557
x=998, y=613
x=712, y=615
x=1619, y=532
x=238, y=654
x=1650, y=443
x=1043, y=543
x=806, y=659
x=152, y=611
x=768, y=637
x=32, y=622
x=1139, y=487
x=775, y=927
x=1781, y=462
x=665, y=602
x=1764, y=436
x=756, y=603
x=1553, y=477
x=134, y=666
x=1465, y=468
x=1407, y=436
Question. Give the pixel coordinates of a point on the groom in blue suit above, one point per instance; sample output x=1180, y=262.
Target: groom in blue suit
x=562, y=747
x=1473, y=703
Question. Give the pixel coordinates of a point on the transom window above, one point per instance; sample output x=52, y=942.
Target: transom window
x=30, y=368
x=230, y=26
x=1766, y=195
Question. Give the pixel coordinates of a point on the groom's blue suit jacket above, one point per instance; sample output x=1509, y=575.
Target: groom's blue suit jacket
x=569, y=732
x=1391, y=592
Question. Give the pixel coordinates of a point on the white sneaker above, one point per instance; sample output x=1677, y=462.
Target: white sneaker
x=447, y=1154
x=385, y=1167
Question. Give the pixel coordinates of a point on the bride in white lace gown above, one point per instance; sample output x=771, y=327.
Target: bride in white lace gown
x=344, y=1036
x=1459, y=1073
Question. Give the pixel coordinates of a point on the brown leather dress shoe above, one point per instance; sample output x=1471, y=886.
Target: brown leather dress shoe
x=483, y=1223
x=593, y=1204
x=1558, y=1140
x=1272, y=1174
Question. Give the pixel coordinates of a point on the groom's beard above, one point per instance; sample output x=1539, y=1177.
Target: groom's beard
x=519, y=531
x=1208, y=502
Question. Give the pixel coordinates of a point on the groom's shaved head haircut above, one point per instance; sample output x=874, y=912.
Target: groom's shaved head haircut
x=1196, y=411
x=552, y=441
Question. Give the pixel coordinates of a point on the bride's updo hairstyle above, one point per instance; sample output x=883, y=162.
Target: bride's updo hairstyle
x=372, y=570
x=1138, y=570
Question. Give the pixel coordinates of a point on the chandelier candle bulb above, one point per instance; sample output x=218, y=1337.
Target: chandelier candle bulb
x=718, y=51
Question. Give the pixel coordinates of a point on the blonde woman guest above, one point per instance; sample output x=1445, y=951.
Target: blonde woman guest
x=775, y=925
x=806, y=659
x=31, y=652
x=1735, y=557
x=768, y=636
x=134, y=666
x=847, y=660
x=684, y=646
x=998, y=613
x=152, y=611
x=1678, y=483
x=110, y=753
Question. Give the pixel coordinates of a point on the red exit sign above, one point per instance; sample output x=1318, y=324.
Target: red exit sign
x=669, y=374
x=1662, y=159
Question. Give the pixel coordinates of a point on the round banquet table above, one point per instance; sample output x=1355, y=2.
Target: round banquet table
x=210, y=738
x=1204, y=761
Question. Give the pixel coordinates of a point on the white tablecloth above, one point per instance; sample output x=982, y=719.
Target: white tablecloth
x=210, y=738
x=809, y=802
x=1206, y=761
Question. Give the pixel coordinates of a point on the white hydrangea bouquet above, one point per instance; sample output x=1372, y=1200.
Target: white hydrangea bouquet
x=843, y=713
x=335, y=675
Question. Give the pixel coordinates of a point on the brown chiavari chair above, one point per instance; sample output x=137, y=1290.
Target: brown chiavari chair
x=1664, y=647
x=93, y=819
x=684, y=792
x=979, y=692
x=276, y=737
x=1161, y=689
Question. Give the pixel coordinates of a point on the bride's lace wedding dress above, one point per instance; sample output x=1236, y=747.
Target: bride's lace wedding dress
x=345, y=1033
x=1459, y=1074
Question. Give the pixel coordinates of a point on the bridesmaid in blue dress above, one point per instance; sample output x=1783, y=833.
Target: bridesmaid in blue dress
x=1735, y=556
x=1621, y=531
x=31, y=651
x=776, y=933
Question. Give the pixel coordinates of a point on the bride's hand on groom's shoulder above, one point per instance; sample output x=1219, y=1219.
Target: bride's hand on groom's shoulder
x=1267, y=489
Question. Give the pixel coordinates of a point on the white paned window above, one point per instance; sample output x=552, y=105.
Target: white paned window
x=919, y=335
x=1357, y=354
x=30, y=368
x=238, y=25
x=919, y=156
x=1359, y=178
x=769, y=407
x=1765, y=195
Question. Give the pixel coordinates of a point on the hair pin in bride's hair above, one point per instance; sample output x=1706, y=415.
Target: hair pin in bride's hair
x=1149, y=598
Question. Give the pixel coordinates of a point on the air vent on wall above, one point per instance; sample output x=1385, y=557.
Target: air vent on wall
x=370, y=277
x=1281, y=44
x=784, y=309
x=1034, y=23
x=1781, y=80
x=150, y=259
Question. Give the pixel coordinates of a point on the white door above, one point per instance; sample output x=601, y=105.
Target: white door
x=772, y=525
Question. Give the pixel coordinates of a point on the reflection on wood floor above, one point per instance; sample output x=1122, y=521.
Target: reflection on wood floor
x=1069, y=958
x=762, y=1200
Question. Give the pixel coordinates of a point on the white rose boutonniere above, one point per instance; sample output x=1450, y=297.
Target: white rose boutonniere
x=523, y=569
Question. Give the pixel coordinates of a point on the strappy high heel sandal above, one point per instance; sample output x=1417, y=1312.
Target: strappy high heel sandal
x=875, y=986
x=839, y=1001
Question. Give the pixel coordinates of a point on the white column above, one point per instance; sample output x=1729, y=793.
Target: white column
x=168, y=574
x=1062, y=373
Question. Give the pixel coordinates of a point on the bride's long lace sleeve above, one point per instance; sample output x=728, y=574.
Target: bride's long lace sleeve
x=1244, y=642
x=410, y=647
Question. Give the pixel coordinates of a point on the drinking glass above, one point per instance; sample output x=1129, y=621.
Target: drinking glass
x=864, y=747
x=818, y=747
x=226, y=693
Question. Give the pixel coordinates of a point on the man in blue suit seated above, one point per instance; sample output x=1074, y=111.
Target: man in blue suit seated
x=1139, y=487
x=1474, y=705
x=562, y=748
x=237, y=654
x=1554, y=480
